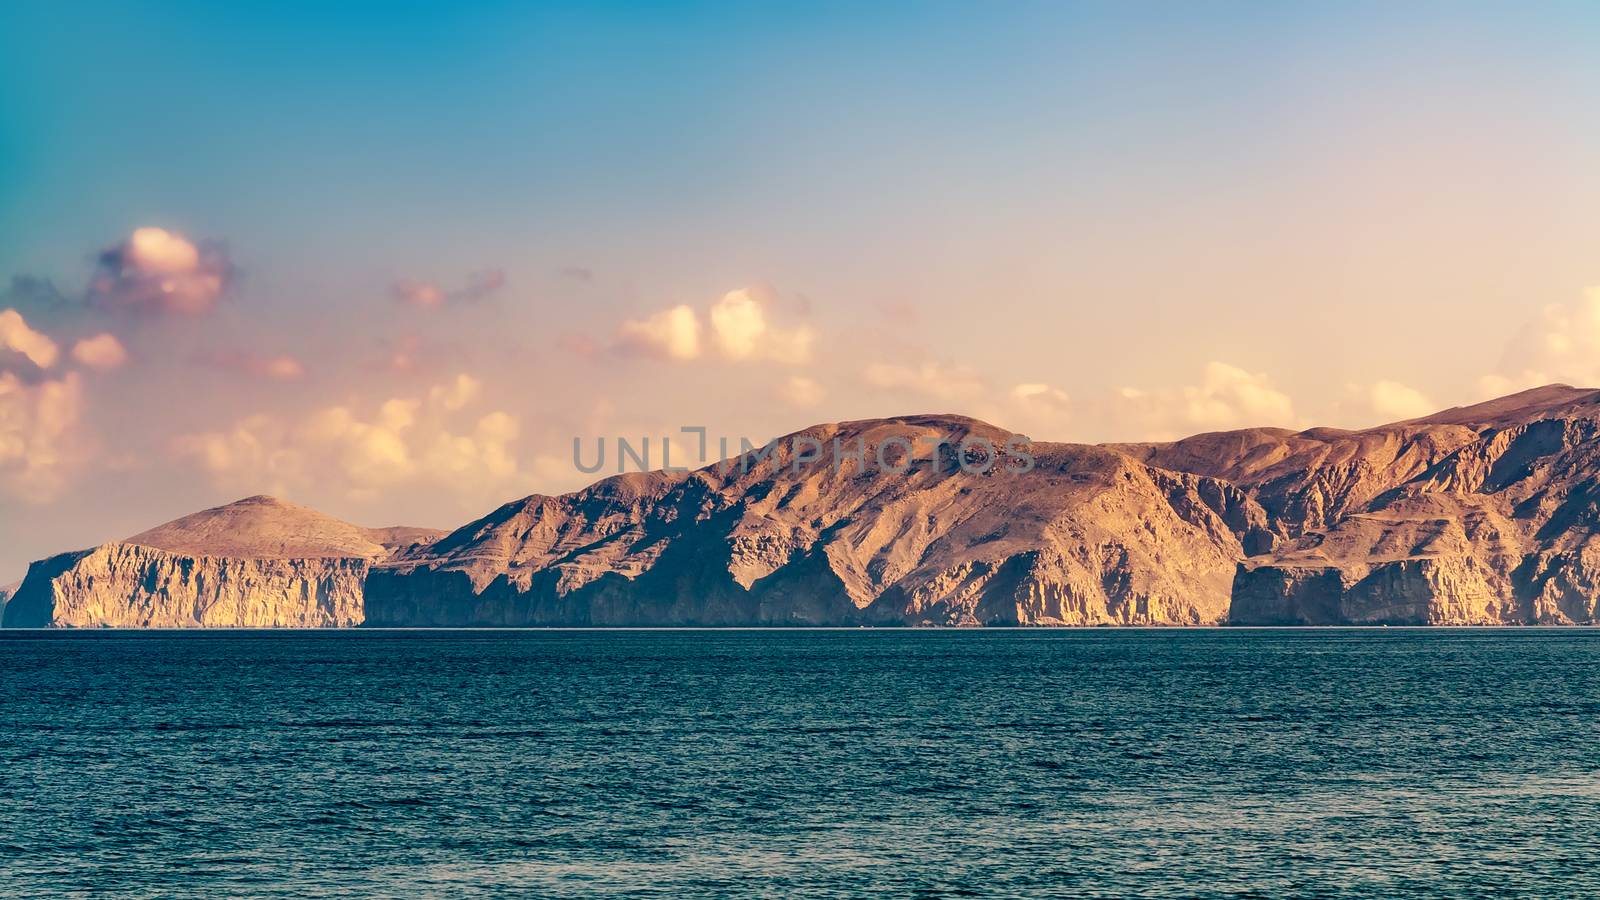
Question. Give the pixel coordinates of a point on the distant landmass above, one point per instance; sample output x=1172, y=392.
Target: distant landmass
x=257, y=563
x=1479, y=515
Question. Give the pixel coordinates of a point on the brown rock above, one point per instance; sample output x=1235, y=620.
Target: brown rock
x=1088, y=536
x=257, y=563
x=1488, y=514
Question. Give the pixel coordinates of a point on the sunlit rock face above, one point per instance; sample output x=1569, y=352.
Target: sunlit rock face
x=129, y=586
x=1085, y=536
x=258, y=563
x=1476, y=516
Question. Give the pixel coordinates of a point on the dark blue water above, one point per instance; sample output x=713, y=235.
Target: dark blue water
x=1212, y=763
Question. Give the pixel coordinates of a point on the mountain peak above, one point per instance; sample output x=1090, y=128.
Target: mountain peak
x=258, y=500
x=1518, y=408
x=262, y=527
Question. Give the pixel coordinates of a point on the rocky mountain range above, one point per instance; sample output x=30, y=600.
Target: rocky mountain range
x=1487, y=514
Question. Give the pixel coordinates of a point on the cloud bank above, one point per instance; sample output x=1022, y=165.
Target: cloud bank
x=1226, y=397
x=430, y=438
x=1561, y=344
x=39, y=415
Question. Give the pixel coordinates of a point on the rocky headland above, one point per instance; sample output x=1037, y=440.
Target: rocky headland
x=1481, y=515
x=257, y=563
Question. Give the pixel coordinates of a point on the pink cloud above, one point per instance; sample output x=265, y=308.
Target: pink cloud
x=157, y=271
x=429, y=295
x=277, y=367
x=103, y=351
x=17, y=337
x=578, y=344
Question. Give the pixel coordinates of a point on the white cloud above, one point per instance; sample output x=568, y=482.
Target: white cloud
x=161, y=252
x=160, y=271
x=1038, y=409
x=671, y=333
x=1041, y=396
x=737, y=324
x=484, y=454
x=405, y=440
x=1394, y=401
x=741, y=331
x=802, y=392
x=1561, y=345
x=16, y=336
x=1227, y=397
x=928, y=379
x=456, y=394
x=40, y=443
x=103, y=351
x=1378, y=403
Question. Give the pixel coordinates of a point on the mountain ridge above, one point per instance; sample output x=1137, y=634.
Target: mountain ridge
x=1483, y=514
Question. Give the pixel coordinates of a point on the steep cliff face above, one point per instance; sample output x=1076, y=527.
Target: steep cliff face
x=129, y=586
x=258, y=563
x=1418, y=591
x=1481, y=515
x=1085, y=535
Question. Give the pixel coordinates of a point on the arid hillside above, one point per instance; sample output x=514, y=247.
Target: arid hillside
x=1486, y=514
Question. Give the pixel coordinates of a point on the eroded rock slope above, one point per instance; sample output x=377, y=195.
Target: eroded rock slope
x=1085, y=536
x=1481, y=515
x=257, y=563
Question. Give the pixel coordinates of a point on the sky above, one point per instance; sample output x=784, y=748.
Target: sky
x=389, y=260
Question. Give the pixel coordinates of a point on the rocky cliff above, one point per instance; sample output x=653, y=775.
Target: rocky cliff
x=256, y=563
x=1488, y=514
x=1482, y=515
x=1082, y=536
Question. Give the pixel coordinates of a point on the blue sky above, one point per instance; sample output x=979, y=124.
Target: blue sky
x=288, y=124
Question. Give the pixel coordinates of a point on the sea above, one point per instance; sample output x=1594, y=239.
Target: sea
x=1116, y=763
